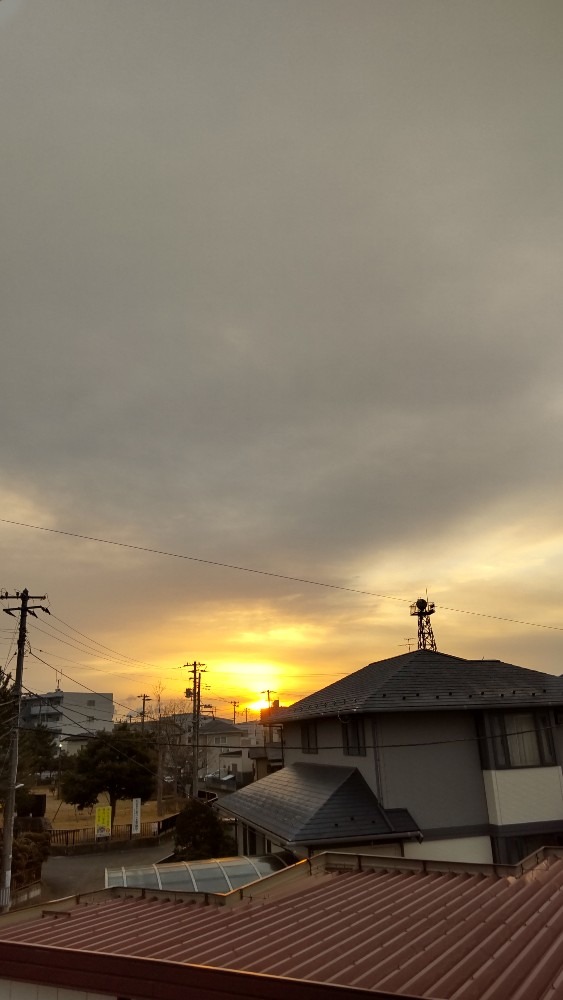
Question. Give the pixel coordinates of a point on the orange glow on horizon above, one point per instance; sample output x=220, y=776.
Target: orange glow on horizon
x=257, y=706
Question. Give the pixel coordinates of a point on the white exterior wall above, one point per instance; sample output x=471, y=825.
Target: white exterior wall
x=244, y=765
x=373, y=850
x=468, y=849
x=524, y=795
x=77, y=711
x=11, y=990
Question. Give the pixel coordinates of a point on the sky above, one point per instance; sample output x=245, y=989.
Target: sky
x=280, y=289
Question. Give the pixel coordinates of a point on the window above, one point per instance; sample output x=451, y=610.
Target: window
x=220, y=740
x=309, y=737
x=353, y=737
x=518, y=739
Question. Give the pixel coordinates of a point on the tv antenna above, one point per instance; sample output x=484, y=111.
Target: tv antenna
x=409, y=639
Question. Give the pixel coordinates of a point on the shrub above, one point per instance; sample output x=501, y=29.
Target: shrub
x=200, y=834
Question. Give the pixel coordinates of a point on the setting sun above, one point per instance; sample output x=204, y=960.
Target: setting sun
x=257, y=706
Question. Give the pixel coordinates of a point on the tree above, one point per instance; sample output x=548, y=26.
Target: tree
x=37, y=752
x=30, y=850
x=7, y=722
x=121, y=763
x=201, y=834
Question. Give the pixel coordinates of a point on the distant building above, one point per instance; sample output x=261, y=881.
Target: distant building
x=69, y=713
x=229, y=752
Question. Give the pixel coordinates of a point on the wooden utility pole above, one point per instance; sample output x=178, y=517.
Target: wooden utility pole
x=197, y=670
x=10, y=803
x=145, y=698
x=268, y=692
x=159, y=801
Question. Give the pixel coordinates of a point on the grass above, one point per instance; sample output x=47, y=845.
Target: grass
x=66, y=817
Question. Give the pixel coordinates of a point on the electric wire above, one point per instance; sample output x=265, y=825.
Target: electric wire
x=125, y=656
x=85, y=686
x=70, y=640
x=269, y=573
x=66, y=642
x=89, y=733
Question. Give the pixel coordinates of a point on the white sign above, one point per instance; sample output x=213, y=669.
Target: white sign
x=136, y=816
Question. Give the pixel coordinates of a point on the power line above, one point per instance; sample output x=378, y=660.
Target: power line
x=269, y=573
x=66, y=642
x=89, y=733
x=85, y=686
x=143, y=663
x=84, y=647
x=320, y=749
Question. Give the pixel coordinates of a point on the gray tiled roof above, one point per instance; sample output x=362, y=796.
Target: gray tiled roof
x=215, y=726
x=423, y=679
x=317, y=804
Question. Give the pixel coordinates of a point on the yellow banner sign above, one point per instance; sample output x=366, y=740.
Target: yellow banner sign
x=103, y=821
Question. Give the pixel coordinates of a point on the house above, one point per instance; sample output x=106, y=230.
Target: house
x=339, y=925
x=466, y=752
x=69, y=713
x=227, y=752
x=268, y=757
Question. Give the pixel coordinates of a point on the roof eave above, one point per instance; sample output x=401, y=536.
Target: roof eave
x=389, y=838
x=439, y=706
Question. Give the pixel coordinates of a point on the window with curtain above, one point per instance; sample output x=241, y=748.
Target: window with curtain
x=520, y=739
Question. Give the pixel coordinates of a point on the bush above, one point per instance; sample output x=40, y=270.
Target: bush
x=29, y=852
x=200, y=834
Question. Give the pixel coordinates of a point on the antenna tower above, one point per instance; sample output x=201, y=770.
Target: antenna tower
x=422, y=609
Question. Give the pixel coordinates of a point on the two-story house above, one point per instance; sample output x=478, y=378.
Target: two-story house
x=425, y=754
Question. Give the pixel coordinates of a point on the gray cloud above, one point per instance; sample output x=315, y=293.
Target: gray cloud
x=282, y=281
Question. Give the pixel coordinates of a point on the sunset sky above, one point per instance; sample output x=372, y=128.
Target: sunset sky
x=281, y=288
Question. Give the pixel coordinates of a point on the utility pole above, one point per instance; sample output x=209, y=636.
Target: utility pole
x=145, y=698
x=159, y=802
x=10, y=803
x=235, y=705
x=197, y=670
x=268, y=692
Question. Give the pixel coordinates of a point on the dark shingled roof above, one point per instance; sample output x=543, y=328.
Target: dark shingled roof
x=318, y=804
x=210, y=727
x=423, y=680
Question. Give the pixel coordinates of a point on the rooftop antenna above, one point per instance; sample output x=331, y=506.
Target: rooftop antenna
x=422, y=609
x=408, y=640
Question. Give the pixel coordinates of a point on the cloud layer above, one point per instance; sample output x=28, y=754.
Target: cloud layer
x=281, y=287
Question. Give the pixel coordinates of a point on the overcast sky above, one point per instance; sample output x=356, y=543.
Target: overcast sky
x=282, y=288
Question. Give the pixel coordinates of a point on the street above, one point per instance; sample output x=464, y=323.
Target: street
x=69, y=875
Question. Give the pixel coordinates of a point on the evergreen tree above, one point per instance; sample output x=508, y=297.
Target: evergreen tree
x=121, y=763
x=201, y=834
x=37, y=753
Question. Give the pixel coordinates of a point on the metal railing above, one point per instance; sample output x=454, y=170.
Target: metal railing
x=120, y=832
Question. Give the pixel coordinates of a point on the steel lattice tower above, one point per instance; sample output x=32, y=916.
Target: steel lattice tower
x=422, y=609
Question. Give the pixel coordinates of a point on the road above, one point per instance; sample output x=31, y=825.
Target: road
x=69, y=875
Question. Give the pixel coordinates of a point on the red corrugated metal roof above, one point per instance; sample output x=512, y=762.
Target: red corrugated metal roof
x=443, y=935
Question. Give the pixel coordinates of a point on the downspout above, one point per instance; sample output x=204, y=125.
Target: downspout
x=377, y=764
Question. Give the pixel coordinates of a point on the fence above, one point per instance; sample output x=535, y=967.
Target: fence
x=120, y=832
